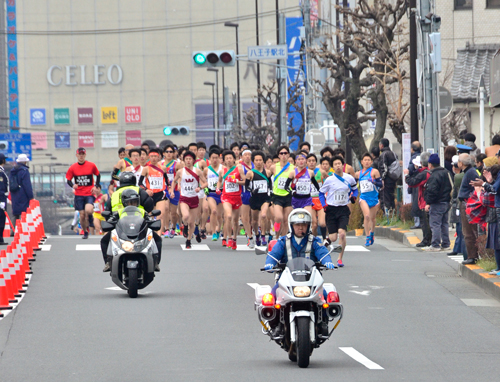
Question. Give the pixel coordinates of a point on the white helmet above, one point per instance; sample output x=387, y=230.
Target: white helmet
x=299, y=215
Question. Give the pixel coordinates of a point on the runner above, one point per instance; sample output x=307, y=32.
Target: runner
x=338, y=188
x=369, y=183
x=100, y=200
x=321, y=174
x=301, y=181
x=83, y=173
x=144, y=157
x=258, y=182
x=172, y=166
x=135, y=167
x=213, y=204
x=247, y=165
x=305, y=146
x=122, y=164
x=230, y=180
x=235, y=148
x=201, y=220
x=156, y=181
x=282, y=198
x=191, y=181
x=347, y=167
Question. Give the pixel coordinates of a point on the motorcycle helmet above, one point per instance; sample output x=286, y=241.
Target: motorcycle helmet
x=297, y=216
x=127, y=178
x=130, y=198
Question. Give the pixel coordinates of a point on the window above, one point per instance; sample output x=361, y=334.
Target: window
x=463, y=4
x=492, y=4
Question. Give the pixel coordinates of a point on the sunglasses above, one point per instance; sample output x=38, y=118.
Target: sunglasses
x=169, y=151
x=284, y=153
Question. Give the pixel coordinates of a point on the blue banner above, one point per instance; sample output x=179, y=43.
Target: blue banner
x=13, y=144
x=293, y=41
x=12, y=67
x=62, y=140
x=37, y=117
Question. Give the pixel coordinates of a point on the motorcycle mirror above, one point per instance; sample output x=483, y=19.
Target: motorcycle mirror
x=260, y=251
x=155, y=213
x=106, y=214
x=155, y=225
x=107, y=227
x=337, y=249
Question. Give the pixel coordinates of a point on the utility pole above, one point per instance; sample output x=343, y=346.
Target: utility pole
x=282, y=71
x=278, y=41
x=413, y=73
x=348, y=150
x=259, y=108
x=309, y=110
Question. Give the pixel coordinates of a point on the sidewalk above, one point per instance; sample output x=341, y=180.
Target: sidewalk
x=473, y=273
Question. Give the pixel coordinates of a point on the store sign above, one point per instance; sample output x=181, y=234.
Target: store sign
x=85, y=115
x=37, y=116
x=109, y=115
x=62, y=140
x=133, y=137
x=86, y=139
x=74, y=75
x=133, y=114
x=109, y=139
x=61, y=116
x=39, y=140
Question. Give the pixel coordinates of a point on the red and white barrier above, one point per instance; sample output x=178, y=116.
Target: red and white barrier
x=15, y=260
x=8, y=226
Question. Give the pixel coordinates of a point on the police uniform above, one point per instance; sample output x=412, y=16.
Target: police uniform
x=4, y=193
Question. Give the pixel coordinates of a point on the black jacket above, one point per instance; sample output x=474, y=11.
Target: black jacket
x=438, y=188
x=386, y=159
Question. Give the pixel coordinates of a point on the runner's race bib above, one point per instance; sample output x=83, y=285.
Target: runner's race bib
x=303, y=187
x=97, y=207
x=340, y=197
x=366, y=186
x=170, y=178
x=156, y=182
x=261, y=186
x=314, y=191
x=212, y=182
x=282, y=183
x=188, y=190
x=232, y=187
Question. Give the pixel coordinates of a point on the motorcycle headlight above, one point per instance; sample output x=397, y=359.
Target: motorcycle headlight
x=139, y=245
x=127, y=246
x=301, y=291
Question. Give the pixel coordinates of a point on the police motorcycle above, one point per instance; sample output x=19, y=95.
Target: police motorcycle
x=132, y=247
x=297, y=316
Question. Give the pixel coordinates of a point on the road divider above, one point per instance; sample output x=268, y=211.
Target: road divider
x=15, y=266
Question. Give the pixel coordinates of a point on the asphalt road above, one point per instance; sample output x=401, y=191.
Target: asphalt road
x=406, y=312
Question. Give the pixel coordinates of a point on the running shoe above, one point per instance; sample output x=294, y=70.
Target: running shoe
x=214, y=237
x=188, y=244
x=218, y=235
x=242, y=232
x=264, y=241
x=234, y=245
x=340, y=263
x=203, y=234
x=196, y=230
x=270, y=238
x=251, y=243
x=171, y=234
x=230, y=243
x=198, y=237
x=258, y=242
x=368, y=241
x=224, y=243
x=372, y=238
x=185, y=231
x=85, y=235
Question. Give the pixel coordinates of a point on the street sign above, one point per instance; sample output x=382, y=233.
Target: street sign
x=11, y=145
x=445, y=102
x=317, y=140
x=268, y=52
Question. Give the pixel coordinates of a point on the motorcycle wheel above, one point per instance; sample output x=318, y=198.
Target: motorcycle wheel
x=303, y=343
x=132, y=283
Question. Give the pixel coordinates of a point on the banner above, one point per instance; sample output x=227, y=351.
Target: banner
x=109, y=115
x=39, y=140
x=12, y=62
x=109, y=139
x=133, y=137
x=406, y=162
x=61, y=116
x=133, y=114
x=85, y=115
x=62, y=140
x=37, y=117
x=86, y=139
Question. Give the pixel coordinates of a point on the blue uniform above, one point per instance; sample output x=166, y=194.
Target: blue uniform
x=279, y=252
x=245, y=195
x=369, y=191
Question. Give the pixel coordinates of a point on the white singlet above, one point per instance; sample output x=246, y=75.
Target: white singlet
x=188, y=184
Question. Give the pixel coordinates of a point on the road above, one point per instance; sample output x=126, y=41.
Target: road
x=408, y=316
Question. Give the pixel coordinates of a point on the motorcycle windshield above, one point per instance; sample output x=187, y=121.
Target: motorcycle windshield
x=131, y=223
x=301, y=268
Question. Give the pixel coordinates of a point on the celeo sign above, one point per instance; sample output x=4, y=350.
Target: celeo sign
x=73, y=75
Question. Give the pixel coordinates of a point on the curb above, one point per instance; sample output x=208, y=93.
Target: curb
x=398, y=234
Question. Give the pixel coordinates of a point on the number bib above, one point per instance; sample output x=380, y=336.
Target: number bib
x=156, y=183
x=314, y=191
x=282, y=183
x=188, y=190
x=261, y=186
x=303, y=187
x=232, y=187
x=97, y=207
x=366, y=186
x=341, y=197
x=212, y=182
x=170, y=177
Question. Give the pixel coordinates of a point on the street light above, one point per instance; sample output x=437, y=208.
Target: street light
x=213, y=101
x=234, y=25
x=217, y=107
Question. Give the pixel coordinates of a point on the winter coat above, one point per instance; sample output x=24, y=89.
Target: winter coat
x=386, y=159
x=21, y=198
x=439, y=186
x=419, y=179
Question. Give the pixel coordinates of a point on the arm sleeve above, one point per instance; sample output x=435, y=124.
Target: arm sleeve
x=98, y=179
x=354, y=192
x=141, y=182
x=322, y=199
x=165, y=176
x=247, y=185
x=70, y=183
x=315, y=182
x=114, y=174
x=288, y=183
x=378, y=182
x=146, y=201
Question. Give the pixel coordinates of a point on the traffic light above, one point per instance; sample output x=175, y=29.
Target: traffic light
x=214, y=58
x=176, y=130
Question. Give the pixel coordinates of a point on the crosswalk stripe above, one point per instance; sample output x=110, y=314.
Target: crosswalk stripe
x=88, y=247
x=196, y=247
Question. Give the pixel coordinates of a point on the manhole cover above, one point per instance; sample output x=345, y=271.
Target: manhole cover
x=442, y=275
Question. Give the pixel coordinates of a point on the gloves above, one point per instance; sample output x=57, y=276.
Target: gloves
x=353, y=200
x=324, y=208
x=217, y=191
x=330, y=265
x=2, y=205
x=268, y=267
x=207, y=191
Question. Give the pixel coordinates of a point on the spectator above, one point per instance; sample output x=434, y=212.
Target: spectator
x=459, y=246
x=469, y=230
x=4, y=193
x=20, y=186
x=415, y=152
x=495, y=146
x=419, y=179
x=437, y=197
x=469, y=140
x=387, y=157
x=449, y=153
x=375, y=151
x=479, y=163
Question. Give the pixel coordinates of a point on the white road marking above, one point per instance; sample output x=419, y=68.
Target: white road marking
x=45, y=247
x=362, y=293
x=357, y=356
x=253, y=285
x=196, y=247
x=356, y=248
x=480, y=302
x=244, y=247
x=88, y=247
x=114, y=288
x=457, y=258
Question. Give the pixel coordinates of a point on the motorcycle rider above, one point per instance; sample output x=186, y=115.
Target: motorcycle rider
x=128, y=194
x=299, y=242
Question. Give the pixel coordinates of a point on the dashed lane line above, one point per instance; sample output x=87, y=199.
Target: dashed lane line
x=357, y=356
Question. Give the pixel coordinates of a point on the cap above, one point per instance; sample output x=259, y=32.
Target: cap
x=417, y=162
x=434, y=159
x=81, y=150
x=454, y=160
x=463, y=149
x=22, y=158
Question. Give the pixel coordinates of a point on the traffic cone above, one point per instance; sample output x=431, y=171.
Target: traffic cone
x=4, y=299
x=15, y=276
x=39, y=218
x=8, y=226
x=7, y=276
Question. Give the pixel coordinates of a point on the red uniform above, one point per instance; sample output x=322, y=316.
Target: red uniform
x=84, y=177
x=231, y=191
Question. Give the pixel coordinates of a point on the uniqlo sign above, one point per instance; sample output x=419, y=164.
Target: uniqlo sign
x=133, y=114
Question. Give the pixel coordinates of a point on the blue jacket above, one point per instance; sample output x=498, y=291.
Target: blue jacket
x=465, y=188
x=279, y=255
x=21, y=198
x=4, y=186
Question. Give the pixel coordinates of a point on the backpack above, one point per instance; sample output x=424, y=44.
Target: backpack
x=14, y=183
x=394, y=170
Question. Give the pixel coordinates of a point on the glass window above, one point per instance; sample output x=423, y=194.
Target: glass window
x=463, y=4
x=492, y=3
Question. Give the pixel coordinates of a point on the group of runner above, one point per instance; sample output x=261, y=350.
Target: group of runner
x=239, y=185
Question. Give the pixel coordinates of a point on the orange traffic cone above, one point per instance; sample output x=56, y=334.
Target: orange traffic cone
x=4, y=299
x=8, y=226
x=7, y=276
